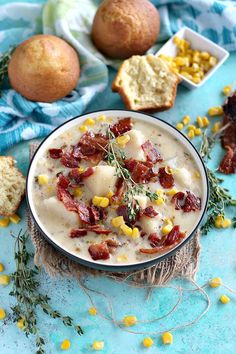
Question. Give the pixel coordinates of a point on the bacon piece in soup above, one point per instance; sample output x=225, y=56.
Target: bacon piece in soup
x=68, y=160
x=99, y=251
x=55, y=153
x=174, y=236
x=192, y=203
x=165, y=177
x=150, y=212
x=154, y=240
x=122, y=126
x=141, y=172
x=151, y=152
x=177, y=200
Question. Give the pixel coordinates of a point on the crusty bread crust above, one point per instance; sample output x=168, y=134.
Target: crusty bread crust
x=126, y=98
x=21, y=179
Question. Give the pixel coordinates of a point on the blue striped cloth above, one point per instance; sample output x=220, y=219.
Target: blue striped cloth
x=21, y=119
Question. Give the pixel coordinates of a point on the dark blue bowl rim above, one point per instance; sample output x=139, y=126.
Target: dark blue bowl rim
x=118, y=268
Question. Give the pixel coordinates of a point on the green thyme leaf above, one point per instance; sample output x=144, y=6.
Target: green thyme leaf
x=27, y=295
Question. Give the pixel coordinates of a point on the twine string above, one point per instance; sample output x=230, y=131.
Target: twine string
x=180, y=290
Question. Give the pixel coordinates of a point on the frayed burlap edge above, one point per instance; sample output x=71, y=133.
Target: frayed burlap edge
x=182, y=264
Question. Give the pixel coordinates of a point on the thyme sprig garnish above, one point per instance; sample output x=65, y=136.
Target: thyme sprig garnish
x=234, y=222
x=219, y=196
x=4, y=61
x=116, y=158
x=28, y=298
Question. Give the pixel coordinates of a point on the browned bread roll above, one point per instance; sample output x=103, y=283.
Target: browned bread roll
x=44, y=68
x=123, y=28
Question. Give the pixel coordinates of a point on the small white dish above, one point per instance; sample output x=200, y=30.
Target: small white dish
x=198, y=42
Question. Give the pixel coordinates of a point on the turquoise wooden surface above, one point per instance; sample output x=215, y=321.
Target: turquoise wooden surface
x=214, y=334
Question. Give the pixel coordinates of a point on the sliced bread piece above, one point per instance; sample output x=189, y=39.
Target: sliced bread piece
x=12, y=186
x=146, y=83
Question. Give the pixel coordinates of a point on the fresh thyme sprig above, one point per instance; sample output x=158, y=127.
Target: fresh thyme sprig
x=116, y=157
x=4, y=61
x=28, y=298
x=219, y=196
x=234, y=222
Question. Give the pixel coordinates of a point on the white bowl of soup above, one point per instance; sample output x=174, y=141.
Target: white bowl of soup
x=117, y=190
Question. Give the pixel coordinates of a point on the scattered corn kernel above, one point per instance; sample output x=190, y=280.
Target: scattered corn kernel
x=135, y=233
x=197, y=174
x=98, y=345
x=226, y=223
x=200, y=122
x=147, y=342
x=65, y=345
x=198, y=131
x=122, y=258
x=215, y=111
x=176, y=40
x=81, y=169
x=205, y=121
x=1, y=267
x=212, y=61
x=196, y=79
x=92, y=311
x=109, y=194
x=77, y=192
x=4, y=279
x=186, y=120
x=83, y=128
x=166, y=229
x=123, y=140
x=42, y=180
x=100, y=201
x=21, y=323
x=4, y=222
x=126, y=230
x=191, y=127
x=159, y=201
x=89, y=121
x=168, y=221
x=224, y=299
x=15, y=219
x=96, y=200
x=216, y=127
x=2, y=314
x=172, y=192
x=191, y=134
x=186, y=75
x=167, y=338
x=179, y=126
x=215, y=282
x=117, y=221
x=102, y=118
x=219, y=221
x=129, y=321
x=104, y=202
x=181, y=61
x=50, y=189
x=205, y=55
x=227, y=90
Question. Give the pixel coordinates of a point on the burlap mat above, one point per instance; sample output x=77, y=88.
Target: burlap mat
x=184, y=263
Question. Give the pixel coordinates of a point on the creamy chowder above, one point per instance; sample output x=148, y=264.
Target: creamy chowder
x=117, y=190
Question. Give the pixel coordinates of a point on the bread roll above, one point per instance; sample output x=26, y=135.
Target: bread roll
x=123, y=28
x=146, y=83
x=44, y=68
x=12, y=186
